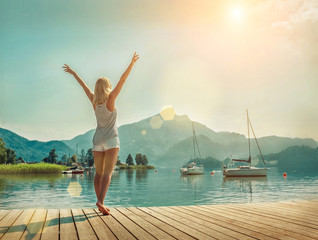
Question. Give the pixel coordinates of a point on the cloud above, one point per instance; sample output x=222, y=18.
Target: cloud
x=283, y=24
x=289, y=14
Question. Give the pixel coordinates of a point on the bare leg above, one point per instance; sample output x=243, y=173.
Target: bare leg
x=110, y=162
x=99, y=170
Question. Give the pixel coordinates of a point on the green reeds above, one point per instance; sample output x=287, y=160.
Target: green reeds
x=37, y=168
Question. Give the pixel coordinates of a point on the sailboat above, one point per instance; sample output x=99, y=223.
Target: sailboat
x=192, y=168
x=247, y=171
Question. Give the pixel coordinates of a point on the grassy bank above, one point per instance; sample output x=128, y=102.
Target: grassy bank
x=136, y=167
x=38, y=168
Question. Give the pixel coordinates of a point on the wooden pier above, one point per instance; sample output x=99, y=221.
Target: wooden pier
x=280, y=220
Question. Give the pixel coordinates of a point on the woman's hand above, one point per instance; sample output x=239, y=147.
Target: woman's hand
x=68, y=69
x=135, y=58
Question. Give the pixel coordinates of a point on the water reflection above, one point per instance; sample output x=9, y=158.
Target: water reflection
x=32, y=177
x=149, y=188
x=245, y=184
x=192, y=179
x=129, y=175
x=116, y=175
x=141, y=175
x=193, y=183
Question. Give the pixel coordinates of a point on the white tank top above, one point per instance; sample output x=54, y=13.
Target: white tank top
x=106, y=124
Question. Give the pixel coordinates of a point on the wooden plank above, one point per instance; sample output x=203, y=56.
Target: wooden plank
x=300, y=207
x=131, y=226
x=119, y=231
x=258, y=223
x=83, y=227
x=100, y=228
x=4, y=213
x=52, y=225
x=306, y=203
x=67, y=226
x=150, y=228
x=35, y=226
x=292, y=224
x=295, y=207
x=216, y=231
x=232, y=219
x=177, y=224
x=18, y=227
x=8, y=220
x=288, y=213
x=302, y=218
x=264, y=219
x=221, y=225
x=176, y=233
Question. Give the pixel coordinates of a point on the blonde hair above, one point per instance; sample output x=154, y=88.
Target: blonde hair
x=103, y=88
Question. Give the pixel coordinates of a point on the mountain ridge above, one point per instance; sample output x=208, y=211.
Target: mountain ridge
x=158, y=140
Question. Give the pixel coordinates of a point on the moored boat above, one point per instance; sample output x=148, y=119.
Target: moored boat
x=73, y=170
x=247, y=171
x=192, y=168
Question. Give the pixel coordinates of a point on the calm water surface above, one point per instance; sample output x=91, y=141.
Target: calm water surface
x=149, y=188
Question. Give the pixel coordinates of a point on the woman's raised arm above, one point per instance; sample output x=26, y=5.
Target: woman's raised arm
x=88, y=92
x=113, y=95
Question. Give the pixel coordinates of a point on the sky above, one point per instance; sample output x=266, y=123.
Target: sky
x=208, y=59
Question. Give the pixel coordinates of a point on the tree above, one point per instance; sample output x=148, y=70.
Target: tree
x=11, y=156
x=118, y=161
x=46, y=160
x=60, y=162
x=20, y=159
x=144, y=160
x=138, y=159
x=82, y=157
x=52, y=158
x=129, y=160
x=74, y=158
x=3, y=152
x=64, y=159
x=90, y=157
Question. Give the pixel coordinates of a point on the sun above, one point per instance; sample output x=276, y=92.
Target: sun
x=237, y=12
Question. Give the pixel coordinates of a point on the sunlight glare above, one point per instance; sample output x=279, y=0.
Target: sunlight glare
x=237, y=12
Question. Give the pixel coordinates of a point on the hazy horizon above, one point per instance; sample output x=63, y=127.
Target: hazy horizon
x=179, y=115
x=210, y=60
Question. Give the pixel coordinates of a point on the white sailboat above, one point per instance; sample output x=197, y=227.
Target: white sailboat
x=246, y=171
x=192, y=168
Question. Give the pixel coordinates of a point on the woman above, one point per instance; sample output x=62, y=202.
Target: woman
x=106, y=140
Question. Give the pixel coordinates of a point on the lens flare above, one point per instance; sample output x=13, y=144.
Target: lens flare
x=156, y=122
x=74, y=189
x=168, y=113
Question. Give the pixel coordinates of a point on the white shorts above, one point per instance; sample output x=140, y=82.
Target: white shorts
x=108, y=144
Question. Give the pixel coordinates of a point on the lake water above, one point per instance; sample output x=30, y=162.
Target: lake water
x=149, y=188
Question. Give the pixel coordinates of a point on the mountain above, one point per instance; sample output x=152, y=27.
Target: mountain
x=296, y=158
x=183, y=151
x=32, y=151
x=171, y=142
x=165, y=143
x=83, y=141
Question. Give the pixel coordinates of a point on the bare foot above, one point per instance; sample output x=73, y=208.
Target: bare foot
x=102, y=208
x=106, y=207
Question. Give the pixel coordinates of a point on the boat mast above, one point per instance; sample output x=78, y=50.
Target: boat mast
x=259, y=149
x=193, y=143
x=248, y=134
